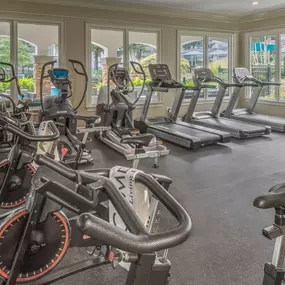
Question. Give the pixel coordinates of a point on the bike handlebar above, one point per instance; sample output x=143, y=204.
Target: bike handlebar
x=138, y=240
x=34, y=138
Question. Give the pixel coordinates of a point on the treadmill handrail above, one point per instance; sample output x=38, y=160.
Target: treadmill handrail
x=160, y=89
x=220, y=82
x=258, y=82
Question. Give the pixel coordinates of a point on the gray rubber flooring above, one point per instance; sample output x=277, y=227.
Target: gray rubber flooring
x=217, y=186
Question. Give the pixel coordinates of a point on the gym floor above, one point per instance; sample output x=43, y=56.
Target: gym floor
x=217, y=186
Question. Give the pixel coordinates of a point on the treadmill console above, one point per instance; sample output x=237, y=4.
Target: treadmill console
x=241, y=74
x=159, y=72
x=161, y=76
x=203, y=75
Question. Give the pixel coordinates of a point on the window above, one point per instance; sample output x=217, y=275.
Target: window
x=5, y=53
x=282, y=66
x=142, y=49
x=191, y=56
x=218, y=61
x=104, y=44
x=209, y=51
x=262, y=62
x=267, y=62
x=108, y=46
x=37, y=44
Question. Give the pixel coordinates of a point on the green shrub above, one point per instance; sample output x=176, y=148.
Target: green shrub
x=188, y=83
x=4, y=86
x=27, y=83
x=184, y=67
x=217, y=64
x=137, y=81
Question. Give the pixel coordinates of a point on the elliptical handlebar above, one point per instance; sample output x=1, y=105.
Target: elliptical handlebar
x=84, y=74
x=138, y=240
x=74, y=62
x=43, y=76
x=14, y=77
x=81, y=72
x=113, y=68
x=139, y=71
x=112, y=75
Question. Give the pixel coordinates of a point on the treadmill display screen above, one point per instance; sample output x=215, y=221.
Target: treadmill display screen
x=160, y=72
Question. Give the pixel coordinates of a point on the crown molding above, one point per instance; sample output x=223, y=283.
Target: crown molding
x=159, y=10
x=263, y=15
x=141, y=9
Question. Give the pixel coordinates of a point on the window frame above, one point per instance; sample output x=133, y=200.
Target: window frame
x=206, y=35
x=126, y=30
x=273, y=32
x=14, y=41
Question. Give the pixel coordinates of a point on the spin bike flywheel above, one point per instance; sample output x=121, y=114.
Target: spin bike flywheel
x=47, y=246
x=17, y=187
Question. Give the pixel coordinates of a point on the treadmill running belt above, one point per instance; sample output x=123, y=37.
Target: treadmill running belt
x=187, y=132
x=263, y=119
x=230, y=125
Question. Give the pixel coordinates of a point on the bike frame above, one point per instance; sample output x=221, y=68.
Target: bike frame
x=48, y=196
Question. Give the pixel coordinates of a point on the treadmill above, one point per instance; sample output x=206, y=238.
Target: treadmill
x=169, y=128
x=211, y=119
x=243, y=76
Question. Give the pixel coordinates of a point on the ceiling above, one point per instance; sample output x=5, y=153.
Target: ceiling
x=232, y=7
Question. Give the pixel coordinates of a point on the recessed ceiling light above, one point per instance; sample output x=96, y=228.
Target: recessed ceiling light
x=255, y=3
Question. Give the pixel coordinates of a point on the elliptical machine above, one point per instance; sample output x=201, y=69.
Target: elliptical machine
x=60, y=110
x=115, y=109
x=9, y=107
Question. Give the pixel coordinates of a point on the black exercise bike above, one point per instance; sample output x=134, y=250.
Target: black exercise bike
x=9, y=107
x=65, y=210
x=274, y=271
x=17, y=170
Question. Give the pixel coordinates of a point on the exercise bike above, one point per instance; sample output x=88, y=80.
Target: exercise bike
x=9, y=107
x=115, y=109
x=274, y=271
x=30, y=249
x=17, y=170
x=59, y=109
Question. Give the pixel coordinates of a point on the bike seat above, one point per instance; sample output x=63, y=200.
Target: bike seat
x=274, y=199
x=88, y=119
x=140, y=141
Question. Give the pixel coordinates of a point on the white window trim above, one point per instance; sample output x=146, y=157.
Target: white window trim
x=273, y=32
x=14, y=39
x=206, y=35
x=126, y=30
